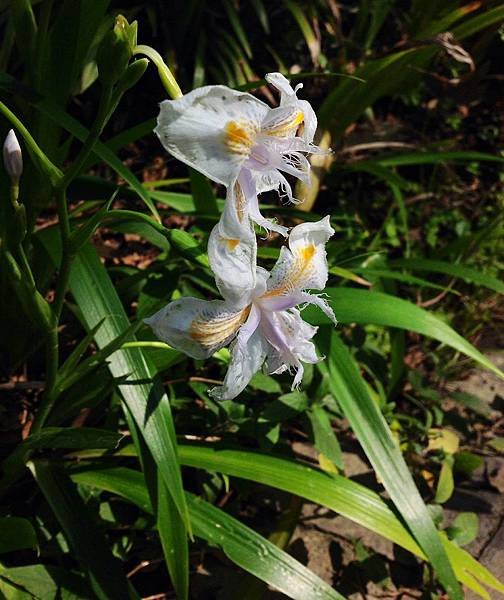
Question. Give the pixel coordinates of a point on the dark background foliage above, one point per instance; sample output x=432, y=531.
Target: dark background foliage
x=409, y=98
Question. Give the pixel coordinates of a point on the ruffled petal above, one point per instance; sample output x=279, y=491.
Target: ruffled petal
x=249, y=327
x=304, y=264
x=309, y=128
x=232, y=251
x=246, y=360
x=198, y=327
x=321, y=302
x=282, y=84
x=283, y=121
x=274, y=180
x=247, y=184
x=262, y=276
x=289, y=343
x=212, y=129
x=284, y=301
x=288, y=97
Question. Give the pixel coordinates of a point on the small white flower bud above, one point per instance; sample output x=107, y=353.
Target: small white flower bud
x=13, y=158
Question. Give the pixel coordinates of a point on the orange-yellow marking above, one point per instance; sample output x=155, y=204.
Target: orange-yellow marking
x=240, y=202
x=231, y=244
x=303, y=263
x=216, y=331
x=307, y=253
x=239, y=137
x=284, y=127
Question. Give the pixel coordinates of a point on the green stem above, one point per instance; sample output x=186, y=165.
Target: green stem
x=61, y=198
x=167, y=79
x=25, y=266
x=101, y=119
x=161, y=345
x=34, y=305
x=66, y=258
x=38, y=310
x=49, y=397
x=60, y=189
x=14, y=192
x=40, y=313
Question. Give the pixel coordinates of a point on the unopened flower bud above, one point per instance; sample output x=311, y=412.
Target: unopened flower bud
x=13, y=158
x=115, y=50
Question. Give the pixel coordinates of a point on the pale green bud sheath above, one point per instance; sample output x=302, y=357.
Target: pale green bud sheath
x=13, y=163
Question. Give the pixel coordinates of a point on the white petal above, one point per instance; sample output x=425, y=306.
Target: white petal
x=288, y=97
x=289, y=338
x=249, y=327
x=247, y=183
x=318, y=300
x=233, y=262
x=283, y=121
x=274, y=180
x=304, y=264
x=246, y=360
x=310, y=121
x=281, y=83
x=198, y=327
x=317, y=233
x=211, y=129
x=262, y=277
x=232, y=253
x=12, y=156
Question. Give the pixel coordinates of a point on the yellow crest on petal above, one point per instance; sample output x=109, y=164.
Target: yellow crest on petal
x=217, y=330
x=240, y=202
x=300, y=269
x=239, y=137
x=231, y=244
x=306, y=253
x=290, y=123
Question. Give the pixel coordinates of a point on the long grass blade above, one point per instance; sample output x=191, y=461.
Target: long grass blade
x=364, y=307
x=371, y=429
x=453, y=269
x=142, y=391
x=241, y=544
x=344, y=496
x=173, y=539
x=88, y=544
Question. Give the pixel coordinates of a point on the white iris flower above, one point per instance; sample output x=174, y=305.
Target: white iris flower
x=238, y=141
x=262, y=320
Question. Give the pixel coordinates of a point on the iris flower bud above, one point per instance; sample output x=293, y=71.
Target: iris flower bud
x=13, y=158
x=116, y=50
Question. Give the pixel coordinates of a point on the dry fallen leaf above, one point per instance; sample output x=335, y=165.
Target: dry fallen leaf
x=495, y=471
x=443, y=439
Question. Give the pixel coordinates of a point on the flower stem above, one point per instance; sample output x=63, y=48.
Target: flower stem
x=49, y=397
x=25, y=265
x=61, y=198
x=60, y=190
x=101, y=119
x=167, y=79
x=34, y=305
